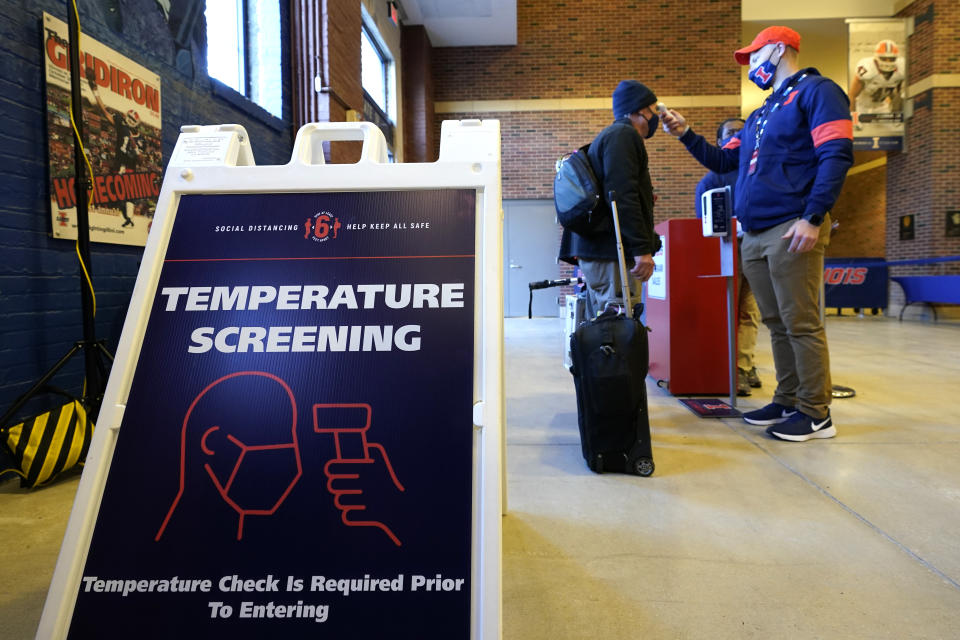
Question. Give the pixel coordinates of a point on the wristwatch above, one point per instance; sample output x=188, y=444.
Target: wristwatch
x=816, y=219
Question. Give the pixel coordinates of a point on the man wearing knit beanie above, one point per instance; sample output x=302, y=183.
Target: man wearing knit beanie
x=619, y=159
x=630, y=96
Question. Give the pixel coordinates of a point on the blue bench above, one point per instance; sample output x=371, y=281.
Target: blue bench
x=929, y=289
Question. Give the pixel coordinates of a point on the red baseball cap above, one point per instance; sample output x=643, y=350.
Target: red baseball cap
x=770, y=35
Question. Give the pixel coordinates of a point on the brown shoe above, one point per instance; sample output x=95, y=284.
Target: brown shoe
x=753, y=379
x=743, y=386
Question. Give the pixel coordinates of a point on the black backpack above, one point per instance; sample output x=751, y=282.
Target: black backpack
x=576, y=193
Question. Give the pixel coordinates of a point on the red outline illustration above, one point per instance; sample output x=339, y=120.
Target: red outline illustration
x=345, y=509
x=224, y=489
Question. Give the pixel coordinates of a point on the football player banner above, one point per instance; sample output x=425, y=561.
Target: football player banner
x=293, y=441
x=121, y=126
x=878, y=83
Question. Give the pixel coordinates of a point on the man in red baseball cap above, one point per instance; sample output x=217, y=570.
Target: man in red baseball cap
x=792, y=157
x=770, y=35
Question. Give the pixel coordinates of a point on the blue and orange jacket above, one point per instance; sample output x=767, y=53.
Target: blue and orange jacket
x=804, y=153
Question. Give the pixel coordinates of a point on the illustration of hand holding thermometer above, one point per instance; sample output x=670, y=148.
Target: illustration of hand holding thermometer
x=356, y=458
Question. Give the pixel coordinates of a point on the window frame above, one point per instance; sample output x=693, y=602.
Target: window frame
x=386, y=63
x=384, y=117
x=243, y=99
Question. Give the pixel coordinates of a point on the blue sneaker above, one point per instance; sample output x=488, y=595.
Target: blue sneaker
x=801, y=427
x=773, y=413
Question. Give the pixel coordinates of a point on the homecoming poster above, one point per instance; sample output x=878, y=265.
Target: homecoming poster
x=121, y=126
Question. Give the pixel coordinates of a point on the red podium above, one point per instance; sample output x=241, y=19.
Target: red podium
x=687, y=312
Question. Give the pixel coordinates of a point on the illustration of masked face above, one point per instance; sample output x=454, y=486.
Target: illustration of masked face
x=239, y=435
x=236, y=469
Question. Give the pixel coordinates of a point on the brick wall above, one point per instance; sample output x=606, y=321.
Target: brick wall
x=861, y=211
x=924, y=180
x=418, y=96
x=532, y=142
x=946, y=176
x=306, y=38
x=946, y=35
x=922, y=58
x=945, y=169
x=341, y=46
x=39, y=281
x=564, y=51
x=570, y=50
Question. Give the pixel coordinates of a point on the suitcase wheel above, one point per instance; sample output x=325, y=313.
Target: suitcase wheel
x=596, y=463
x=643, y=467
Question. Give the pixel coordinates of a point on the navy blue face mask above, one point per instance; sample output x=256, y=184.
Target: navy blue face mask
x=652, y=123
x=763, y=75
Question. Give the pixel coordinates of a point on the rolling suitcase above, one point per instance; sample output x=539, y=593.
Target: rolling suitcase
x=610, y=355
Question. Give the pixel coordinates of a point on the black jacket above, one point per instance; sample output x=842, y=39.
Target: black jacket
x=620, y=162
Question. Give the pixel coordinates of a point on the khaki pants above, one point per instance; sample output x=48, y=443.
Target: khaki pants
x=787, y=289
x=602, y=278
x=748, y=321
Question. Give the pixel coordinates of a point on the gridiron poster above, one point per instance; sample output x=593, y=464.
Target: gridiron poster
x=121, y=125
x=295, y=459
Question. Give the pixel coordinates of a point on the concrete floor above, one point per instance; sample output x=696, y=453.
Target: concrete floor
x=738, y=535
x=735, y=536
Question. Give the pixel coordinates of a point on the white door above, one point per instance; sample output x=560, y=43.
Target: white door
x=531, y=241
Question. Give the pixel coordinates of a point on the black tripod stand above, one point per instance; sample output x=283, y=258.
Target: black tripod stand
x=94, y=351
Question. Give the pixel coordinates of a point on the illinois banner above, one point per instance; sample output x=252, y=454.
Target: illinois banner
x=878, y=83
x=121, y=125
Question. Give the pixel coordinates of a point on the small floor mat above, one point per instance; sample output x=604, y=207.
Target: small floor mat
x=710, y=407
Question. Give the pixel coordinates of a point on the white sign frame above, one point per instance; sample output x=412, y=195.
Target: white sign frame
x=469, y=159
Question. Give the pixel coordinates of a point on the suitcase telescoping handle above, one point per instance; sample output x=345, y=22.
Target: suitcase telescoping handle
x=624, y=283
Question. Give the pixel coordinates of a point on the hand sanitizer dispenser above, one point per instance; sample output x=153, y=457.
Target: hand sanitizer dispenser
x=717, y=206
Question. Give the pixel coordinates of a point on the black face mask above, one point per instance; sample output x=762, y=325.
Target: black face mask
x=652, y=123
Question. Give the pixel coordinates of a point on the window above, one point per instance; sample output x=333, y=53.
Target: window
x=374, y=66
x=243, y=49
x=377, y=78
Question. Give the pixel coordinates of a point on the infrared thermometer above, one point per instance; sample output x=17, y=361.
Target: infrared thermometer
x=662, y=111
